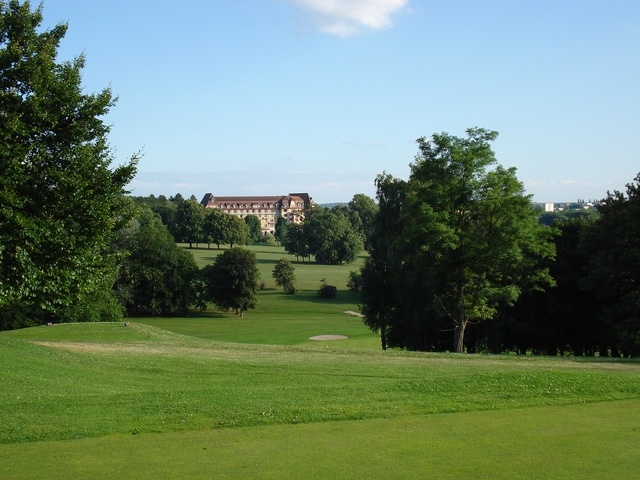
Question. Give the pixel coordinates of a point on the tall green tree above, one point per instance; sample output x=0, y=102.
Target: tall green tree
x=232, y=281
x=614, y=267
x=284, y=275
x=237, y=231
x=165, y=208
x=177, y=198
x=469, y=240
x=281, y=229
x=254, y=226
x=60, y=199
x=362, y=213
x=224, y=229
x=296, y=242
x=377, y=276
x=189, y=222
x=156, y=276
x=331, y=237
x=212, y=227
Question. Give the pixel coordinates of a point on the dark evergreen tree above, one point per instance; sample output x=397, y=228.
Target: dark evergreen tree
x=281, y=229
x=377, y=277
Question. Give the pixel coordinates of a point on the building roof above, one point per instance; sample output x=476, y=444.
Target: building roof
x=209, y=199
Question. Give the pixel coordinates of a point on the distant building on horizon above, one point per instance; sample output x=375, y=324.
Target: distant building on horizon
x=560, y=206
x=267, y=208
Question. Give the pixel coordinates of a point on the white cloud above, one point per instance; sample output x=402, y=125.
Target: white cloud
x=349, y=17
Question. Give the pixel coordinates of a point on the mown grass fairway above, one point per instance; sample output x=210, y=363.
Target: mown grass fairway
x=217, y=396
x=280, y=318
x=592, y=441
x=308, y=274
x=107, y=400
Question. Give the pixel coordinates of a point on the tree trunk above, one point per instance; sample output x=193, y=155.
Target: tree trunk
x=459, y=319
x=383, y=337
x=458, y=336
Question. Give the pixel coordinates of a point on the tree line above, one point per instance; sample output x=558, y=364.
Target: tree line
x=460, y=260
x=189, y=222
x=331, y=236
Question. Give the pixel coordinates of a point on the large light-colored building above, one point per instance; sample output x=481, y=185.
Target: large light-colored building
x=290, y=207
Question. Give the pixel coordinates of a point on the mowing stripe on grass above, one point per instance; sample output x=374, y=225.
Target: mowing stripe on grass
x=593, y=441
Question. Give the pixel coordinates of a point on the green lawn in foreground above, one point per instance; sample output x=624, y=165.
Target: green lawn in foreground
x=592, y=441
x=89, y=389
x=217, y=396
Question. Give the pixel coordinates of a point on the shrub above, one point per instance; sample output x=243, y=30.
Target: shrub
x=354, y=284
x=327, y=291
x=269, y=240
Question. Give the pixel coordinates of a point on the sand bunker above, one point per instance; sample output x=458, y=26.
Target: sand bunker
x=329, y=337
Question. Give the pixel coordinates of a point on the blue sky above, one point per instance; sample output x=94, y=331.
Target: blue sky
x=240, y=97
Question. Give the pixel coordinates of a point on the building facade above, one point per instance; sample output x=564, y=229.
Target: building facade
x=267, y=208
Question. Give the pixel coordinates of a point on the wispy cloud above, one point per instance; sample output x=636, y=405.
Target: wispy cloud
x=345, y=18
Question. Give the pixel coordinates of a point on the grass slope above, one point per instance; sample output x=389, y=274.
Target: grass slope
x=217, y=396
x=300, y=410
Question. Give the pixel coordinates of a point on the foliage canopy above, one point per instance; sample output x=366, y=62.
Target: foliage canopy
x=156, y=276
x=284, y=275
x=60, y=200
x=452, y=244
x=232, y=281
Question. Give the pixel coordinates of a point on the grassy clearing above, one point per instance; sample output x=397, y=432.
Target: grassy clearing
x=279, y=318
x=308, y=274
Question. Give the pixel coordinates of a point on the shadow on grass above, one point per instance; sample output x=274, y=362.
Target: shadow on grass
x=266, y=261
x=211, y=312
x=343, y=298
